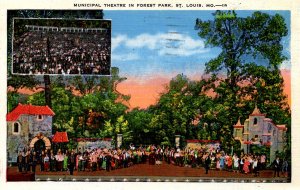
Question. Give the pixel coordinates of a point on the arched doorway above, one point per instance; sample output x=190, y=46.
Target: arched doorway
x=42, y=142
x=39, y=145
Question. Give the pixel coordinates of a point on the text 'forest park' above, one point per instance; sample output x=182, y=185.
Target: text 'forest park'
x=138, y=5
x=152, y=5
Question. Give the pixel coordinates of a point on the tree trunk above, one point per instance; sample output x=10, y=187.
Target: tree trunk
x=47, y=90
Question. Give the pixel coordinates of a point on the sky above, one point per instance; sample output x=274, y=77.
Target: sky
x=152, y=47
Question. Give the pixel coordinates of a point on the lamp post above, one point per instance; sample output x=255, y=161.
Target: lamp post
x=119, y=140
x=177, y=141
x=248, y=145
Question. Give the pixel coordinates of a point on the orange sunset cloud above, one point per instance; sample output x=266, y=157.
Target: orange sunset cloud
x=286, y=74
x=146, y=93
x=143, y=94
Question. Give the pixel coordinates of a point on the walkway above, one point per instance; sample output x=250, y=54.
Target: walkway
x=164, y=172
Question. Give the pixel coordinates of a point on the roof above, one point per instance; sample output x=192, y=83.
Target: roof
x=268, y=119
x=238, y=127
x=28, y=109
x=60, y=137
x=256, y=112
x=238, y=124
x=282, y=127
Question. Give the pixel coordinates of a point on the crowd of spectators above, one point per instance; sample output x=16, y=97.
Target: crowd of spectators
x=111, y=159
x=61, y=52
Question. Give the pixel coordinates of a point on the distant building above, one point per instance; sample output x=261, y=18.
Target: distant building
x=259, y=130
x=28, y=126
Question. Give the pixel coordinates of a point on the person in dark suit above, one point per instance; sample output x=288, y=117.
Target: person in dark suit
x=26, y=162
x=20, y=161
x=33, y=161
x=108, y=162
x=277, y=165
x=72, y=162
x=206, y=162
x=152, y=158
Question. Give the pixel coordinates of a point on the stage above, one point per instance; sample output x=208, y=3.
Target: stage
x=150, y=173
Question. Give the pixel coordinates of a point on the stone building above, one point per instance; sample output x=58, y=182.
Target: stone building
x=262, y=131
x=28, y=126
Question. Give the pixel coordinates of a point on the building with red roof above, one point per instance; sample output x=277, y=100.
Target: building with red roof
x=28, y=126
x=262, y=131
x=28, y=110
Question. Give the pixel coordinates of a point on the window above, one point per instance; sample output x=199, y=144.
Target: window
x=16, y=128
x=255, y=121
x=269, y=128
x=39, y=117
x=236, y=132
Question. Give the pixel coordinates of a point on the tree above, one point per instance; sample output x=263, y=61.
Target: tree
x=255, y=36
x=61, y=100
x=251, y=53
x=13, y=99
x=118, y=127
x=88, y=84
x=138, y=122
x=81, y=115
x=244, y=41
x=176, y=110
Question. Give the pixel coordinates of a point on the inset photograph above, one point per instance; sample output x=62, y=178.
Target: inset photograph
x=61, y=46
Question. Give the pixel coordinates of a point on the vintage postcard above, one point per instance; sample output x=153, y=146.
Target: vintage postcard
x=124, y=93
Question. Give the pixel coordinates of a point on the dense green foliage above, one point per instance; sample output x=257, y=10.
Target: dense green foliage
x=85, y=114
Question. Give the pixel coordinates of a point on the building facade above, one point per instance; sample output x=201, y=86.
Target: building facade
x=28, y=126
x=261, y=131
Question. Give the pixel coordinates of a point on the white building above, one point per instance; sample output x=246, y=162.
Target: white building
x=259, y=130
